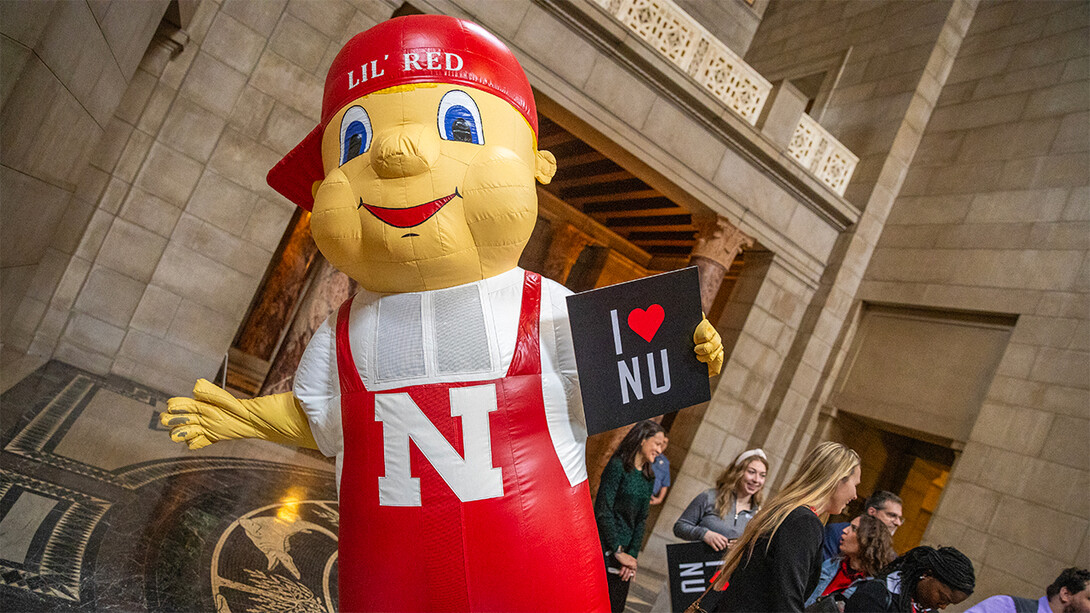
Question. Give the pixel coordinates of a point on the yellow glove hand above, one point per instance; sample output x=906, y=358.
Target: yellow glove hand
x=215, y=415
x=709, y=346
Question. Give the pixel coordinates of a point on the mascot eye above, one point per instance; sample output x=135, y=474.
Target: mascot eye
x=459, y=118
x=355, y=133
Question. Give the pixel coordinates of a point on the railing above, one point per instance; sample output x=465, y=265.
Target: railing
x=824, y=156
x=678, y=37
x=682, y=40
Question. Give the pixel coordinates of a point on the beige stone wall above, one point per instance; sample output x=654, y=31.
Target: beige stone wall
x=892, y=58
x=65, y=66
x=993, y=217
x=183, y=224
x=759, y=325
x=880, y=55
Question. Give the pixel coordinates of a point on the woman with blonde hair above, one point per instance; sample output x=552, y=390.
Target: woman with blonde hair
x=718, y=516
x=777, y=562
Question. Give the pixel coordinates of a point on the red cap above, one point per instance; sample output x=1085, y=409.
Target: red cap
x=409, y=49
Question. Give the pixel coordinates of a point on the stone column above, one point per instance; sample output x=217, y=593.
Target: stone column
x=328, y=288
x=568, y=242
x=717, y=244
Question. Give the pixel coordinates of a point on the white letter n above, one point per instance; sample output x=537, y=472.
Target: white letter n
x=471, y=478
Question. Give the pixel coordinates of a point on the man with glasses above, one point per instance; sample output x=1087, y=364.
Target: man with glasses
x=884, y=506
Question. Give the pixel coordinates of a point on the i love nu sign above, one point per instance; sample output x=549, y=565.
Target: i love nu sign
x=634, y=349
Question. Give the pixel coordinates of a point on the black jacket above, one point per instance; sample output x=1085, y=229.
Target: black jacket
x=872, y=596
x=781, y=578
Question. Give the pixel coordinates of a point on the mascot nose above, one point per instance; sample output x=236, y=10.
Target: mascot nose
x=405, y=151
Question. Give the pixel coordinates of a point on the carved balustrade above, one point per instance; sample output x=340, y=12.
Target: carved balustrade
x=824, y=156
x=682, y=40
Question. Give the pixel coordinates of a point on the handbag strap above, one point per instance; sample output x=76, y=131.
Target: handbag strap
x=695, y=606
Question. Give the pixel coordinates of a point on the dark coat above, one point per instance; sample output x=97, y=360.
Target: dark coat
x=780, y=578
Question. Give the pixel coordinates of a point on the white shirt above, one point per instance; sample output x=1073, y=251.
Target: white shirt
x=462, y=333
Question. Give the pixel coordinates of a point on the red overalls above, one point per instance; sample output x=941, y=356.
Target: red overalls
x=533, y=548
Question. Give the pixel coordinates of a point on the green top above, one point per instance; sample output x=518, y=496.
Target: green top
x=621, y=507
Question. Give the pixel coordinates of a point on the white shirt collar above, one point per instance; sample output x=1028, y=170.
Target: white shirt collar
x=461, y=333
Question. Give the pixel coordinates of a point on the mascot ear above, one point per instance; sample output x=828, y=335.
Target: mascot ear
x=545, y=167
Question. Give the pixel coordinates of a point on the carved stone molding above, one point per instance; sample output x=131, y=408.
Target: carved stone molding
x=721, y=242
x=717, y=245
x=171, y=39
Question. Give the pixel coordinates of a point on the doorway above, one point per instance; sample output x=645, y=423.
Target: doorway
x=912, y=465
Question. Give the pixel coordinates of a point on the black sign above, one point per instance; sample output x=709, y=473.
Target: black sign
x=691, y=567
x=634, y=349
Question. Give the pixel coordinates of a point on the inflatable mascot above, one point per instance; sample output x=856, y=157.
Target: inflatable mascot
x=446, y=387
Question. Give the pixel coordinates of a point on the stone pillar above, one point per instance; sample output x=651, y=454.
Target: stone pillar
x=716, y=247
x=781, y=113
x=568, y=242
x=328, y=288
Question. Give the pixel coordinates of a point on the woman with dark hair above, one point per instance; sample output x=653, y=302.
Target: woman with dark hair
x=777, y=562
x=866, y=547
x=923, y=579
x=620, y=507
x=718, y=516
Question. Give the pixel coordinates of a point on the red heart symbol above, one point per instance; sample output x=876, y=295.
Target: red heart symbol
x=646, y=323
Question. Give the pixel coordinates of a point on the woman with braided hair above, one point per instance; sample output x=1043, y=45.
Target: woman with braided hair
x=924, y=579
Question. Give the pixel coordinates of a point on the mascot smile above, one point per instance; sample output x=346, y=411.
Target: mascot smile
x=409, y=217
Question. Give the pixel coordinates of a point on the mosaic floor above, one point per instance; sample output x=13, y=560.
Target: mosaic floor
x=99, y=511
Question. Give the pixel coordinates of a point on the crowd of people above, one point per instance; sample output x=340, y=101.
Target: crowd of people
x=778, y=555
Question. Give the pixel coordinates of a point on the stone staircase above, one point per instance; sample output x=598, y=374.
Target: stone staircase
x=644, y=592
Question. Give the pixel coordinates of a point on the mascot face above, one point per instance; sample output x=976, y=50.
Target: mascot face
x=442, y=177
x=424, y=162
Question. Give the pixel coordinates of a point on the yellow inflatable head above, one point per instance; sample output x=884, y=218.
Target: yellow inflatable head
x=421, y=174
